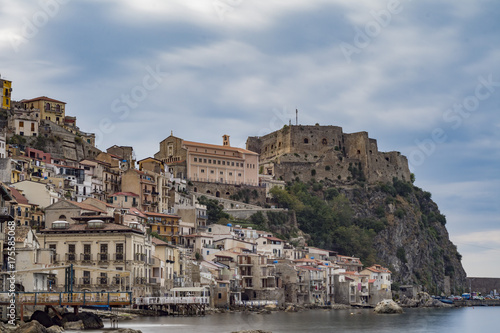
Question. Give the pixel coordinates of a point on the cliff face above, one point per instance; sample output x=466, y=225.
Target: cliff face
x=415, y=243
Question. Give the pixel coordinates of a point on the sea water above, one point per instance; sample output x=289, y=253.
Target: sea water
x=476, y=320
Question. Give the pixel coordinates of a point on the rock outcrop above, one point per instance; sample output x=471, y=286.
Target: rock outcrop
x=388, y=306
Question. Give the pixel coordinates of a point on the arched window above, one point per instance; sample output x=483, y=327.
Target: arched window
x=62, y=217
x=47, y=106
x=324, y=142
x=306, y=140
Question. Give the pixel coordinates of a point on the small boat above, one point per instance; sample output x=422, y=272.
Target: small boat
x=446, y=300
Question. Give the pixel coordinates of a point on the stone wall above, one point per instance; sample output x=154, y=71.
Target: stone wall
x=325, y=152
x=483, y=285
x=256, y=195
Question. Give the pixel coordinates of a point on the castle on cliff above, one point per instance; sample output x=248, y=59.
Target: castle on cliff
x=326, y=152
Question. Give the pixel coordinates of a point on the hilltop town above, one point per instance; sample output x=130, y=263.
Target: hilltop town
x=178, y=219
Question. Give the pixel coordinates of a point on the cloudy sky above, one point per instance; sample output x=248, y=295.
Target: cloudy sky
x=422, y=77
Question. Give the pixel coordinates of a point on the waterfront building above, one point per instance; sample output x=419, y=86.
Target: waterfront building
x=106, y=256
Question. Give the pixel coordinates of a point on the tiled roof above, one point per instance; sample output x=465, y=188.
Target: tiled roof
x=274, y=239
x=158, y=241
x=21, y=199
x=207, y=145
x=44, y=98
x=310, y=268
x=130, y=194
x=85, y=206
x=161, y=215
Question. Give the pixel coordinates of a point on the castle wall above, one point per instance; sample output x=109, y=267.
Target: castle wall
x=325, y=152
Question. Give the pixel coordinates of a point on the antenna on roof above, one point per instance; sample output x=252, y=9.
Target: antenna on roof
x=296, y=116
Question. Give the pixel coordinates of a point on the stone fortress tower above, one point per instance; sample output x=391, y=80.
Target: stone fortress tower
x=326, y=152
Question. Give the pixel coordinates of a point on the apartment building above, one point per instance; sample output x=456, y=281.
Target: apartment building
x=106, y=256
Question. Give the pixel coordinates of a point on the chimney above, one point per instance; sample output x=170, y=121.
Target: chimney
x=225, y=140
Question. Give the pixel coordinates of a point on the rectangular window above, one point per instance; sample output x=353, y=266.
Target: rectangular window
x=232, y=163
x=230, y=173
x=204, y=160
x=196, y=159
x=71, y=248
x=223, y=162
x=202, y=170
x=211, y=171
x=222, y=172
x=21, y=124
x=209, y=161
x=32, y=127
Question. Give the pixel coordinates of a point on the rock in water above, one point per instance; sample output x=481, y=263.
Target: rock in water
x=42, y=317
x=55, y=329
x=31, y=327
x=90, y=320
x=388, y=306
x=74, y=325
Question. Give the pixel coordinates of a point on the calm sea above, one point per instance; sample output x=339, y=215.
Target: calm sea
x=475, y=320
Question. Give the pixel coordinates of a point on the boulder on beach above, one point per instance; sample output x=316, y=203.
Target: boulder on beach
x=31, y=327
x=388, y=306
x=42, y=317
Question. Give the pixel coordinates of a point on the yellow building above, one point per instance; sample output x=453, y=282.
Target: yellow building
x=26, y=213
x=51, y=109
x=5, y=95
x=165, y=225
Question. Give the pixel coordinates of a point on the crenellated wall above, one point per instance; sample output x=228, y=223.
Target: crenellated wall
x=326, y=152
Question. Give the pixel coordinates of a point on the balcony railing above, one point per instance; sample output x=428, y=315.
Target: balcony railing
x=70, y=257
x=86, y=257
x=103, y=256
x=119, y=256
x=140, y=280
x=7, y=213
x=102, y=280
x=116, y=280
x=86, y=281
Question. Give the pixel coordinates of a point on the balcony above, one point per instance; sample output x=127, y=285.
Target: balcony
x=153, y=280
x=140, y=257
x=103, y=257
x=102, y=281
x=70, y=257
x=116, y=280
x=155, y=193
x=146, y=203
x=140, y=280
x=85, y=281
x=147, y=191
x=85, y=257
x=6, y=214
x=119, y=257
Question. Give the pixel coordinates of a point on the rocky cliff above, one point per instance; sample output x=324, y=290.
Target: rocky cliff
x=414, y=242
